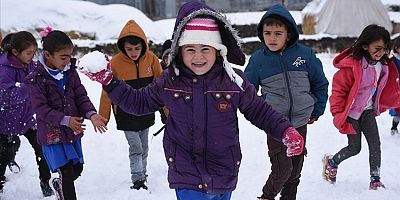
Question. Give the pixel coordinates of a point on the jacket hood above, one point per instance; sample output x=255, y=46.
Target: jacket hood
x=131, y=28
x=229, y=35
x=281, y=13
x=11, y=61
x=345, y=59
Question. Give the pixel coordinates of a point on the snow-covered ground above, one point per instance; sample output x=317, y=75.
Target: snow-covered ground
x=106, y=173
x=105, y=21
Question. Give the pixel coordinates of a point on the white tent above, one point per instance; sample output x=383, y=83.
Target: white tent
x=344, y=17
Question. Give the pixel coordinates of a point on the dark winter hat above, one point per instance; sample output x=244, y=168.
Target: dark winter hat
x=166, y=48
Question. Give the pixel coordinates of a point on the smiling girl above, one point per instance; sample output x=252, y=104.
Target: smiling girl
x=364, y=87
x=203, y=94
x=16, y=113
x=61, y=103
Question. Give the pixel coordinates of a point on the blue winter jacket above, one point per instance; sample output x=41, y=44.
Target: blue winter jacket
x=16, y=113
x=291, y=81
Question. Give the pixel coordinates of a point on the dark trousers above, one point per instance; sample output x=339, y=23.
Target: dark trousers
x=11, y=145
x=367, y=125
x=68, y=174
x=44, y=172
x=285, y=171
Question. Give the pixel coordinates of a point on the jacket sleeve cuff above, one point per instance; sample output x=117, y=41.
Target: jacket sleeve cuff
x=89, y=114
x=65, y=120
x=114, y=82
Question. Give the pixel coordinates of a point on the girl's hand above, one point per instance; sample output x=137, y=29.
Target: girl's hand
x=75, y=123
x=99, y=123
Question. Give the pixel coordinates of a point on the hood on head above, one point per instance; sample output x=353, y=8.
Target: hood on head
x=230, y=37
x=131, y=28
x=283, y=14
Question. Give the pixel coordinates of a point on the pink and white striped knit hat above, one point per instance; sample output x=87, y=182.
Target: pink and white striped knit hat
x=203, y=31
x=206, y=31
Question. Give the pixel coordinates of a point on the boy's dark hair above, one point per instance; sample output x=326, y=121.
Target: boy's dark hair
x=166, y=46
x=370, y=34
x=280, y=21
x=55, y=41
x=18, y=41
x=134, y=40
x=396, y=45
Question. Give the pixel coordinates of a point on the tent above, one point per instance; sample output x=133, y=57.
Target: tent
x=343, y=17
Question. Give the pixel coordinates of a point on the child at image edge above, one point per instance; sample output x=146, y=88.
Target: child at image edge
x=61, y=103
x=17, y=114
x=203, y=93
x=364, y=87
x=395, y=112
x=293, y=82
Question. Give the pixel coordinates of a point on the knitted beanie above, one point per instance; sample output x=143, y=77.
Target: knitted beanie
x=205, y=31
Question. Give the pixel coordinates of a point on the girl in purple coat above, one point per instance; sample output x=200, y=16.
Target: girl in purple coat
x=61, y=103
x=203, y=94
x=16, y=113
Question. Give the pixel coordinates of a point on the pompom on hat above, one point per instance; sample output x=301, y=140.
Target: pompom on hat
x=205, y=31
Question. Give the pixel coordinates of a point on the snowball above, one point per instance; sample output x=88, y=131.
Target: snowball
x=93, y=62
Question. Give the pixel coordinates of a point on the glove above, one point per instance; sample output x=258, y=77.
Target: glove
x=104, y=76
x=293, y=141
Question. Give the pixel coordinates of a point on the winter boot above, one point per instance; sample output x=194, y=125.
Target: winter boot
x=394, y=130
x=375, y=183
x=139, y=184
x=14, y=167
x=2, y=181
x=328, y=172
x=46, y=189
x=57, y=185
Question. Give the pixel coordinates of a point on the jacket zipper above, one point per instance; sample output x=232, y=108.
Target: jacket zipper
x=285, y=72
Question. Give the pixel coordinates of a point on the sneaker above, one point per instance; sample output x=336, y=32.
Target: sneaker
x=139, y=184
x=328, y=172
x=46, y=189
x=14, y=167
x=394, y=132
x=57, y=185
x=374, y=185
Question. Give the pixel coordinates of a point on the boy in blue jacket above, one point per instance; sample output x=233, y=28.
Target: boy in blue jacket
x=292, y=81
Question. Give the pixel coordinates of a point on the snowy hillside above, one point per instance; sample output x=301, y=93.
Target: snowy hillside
x=104, y=22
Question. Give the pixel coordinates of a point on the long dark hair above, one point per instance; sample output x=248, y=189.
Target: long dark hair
x=370, y=34
x=18, y=41
x=55, y=41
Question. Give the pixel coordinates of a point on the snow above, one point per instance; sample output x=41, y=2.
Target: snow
x=106, y=21
x=103, y=21
x=93, y=62
x=106, y=174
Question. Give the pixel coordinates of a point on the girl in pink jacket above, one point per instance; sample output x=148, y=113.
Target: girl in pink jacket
x=364, y=87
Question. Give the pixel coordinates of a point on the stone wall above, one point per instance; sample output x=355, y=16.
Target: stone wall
x=330, y=45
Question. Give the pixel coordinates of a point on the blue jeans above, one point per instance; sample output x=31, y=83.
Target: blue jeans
x=138, y=151
x=187, y=194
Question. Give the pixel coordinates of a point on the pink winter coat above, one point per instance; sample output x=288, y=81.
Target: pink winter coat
x=345, y=86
